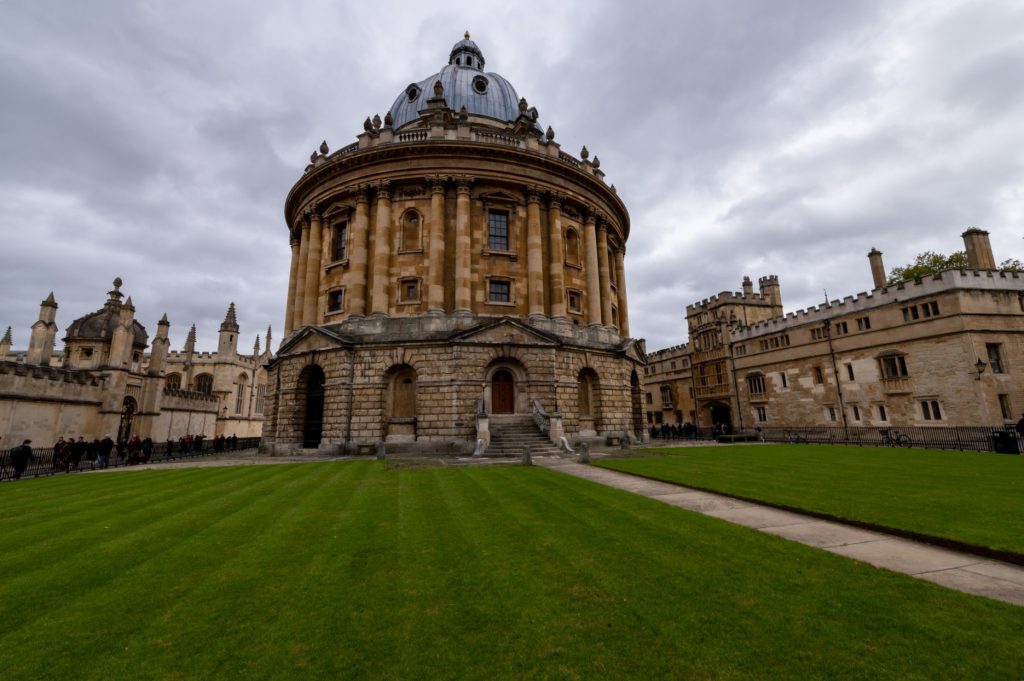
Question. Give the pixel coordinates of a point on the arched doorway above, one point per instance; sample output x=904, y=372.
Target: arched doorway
x=588, y=402
x=128, y=409
x=311, y=383
x=720, y=414
x=637, y=400
x=503, y=392
x=401, y=404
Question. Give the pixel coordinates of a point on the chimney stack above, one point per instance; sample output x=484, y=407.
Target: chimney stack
x=877, y=268
x=979, y=250
x=748, y=286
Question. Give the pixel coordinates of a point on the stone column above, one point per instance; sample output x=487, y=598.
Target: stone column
x=593, y=276
x=312, y=294
x=289, y=312
x=381, y=252
x=534, y=255
x=620, y=276
x=358, y=258
x=463, y=246
x=605, y=274
x=556, y=269
x=435, y=288
x=300, y=277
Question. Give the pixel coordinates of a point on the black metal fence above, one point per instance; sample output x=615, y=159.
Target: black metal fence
x=1003, y=440
x=44, y=462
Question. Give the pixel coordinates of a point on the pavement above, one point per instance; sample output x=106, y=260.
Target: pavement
x=955, y=570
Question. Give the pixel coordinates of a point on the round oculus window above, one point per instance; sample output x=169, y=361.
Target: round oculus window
x=480, y=85
x=412, y=92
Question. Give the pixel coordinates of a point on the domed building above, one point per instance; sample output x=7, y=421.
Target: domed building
x=453, y=273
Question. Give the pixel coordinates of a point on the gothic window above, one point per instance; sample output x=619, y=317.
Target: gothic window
x=261, y=396
x=240, y=395
x=756, y=384
x=204, y=384
x=666, y=396
x=173, y=381
x=930, y=410
x=497, y=230
x=411, y=233
x=340, y=241
x=893, y=366
x=572, y=247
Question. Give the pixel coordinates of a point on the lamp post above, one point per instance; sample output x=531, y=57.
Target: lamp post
x=979, y=366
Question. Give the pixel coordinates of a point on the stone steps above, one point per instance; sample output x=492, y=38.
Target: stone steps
x=511, y=433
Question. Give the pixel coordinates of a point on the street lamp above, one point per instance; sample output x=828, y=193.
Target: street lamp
x=979, y=366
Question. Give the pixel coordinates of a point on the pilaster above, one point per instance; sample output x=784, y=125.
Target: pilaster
x=534, y=255
x=592, y=265
x=300, y=279
x=312, y=283
x=556, y=269
x=463, y=246
x=435, y=287
x=381, y=251
x=604, y=273
x=359, y=256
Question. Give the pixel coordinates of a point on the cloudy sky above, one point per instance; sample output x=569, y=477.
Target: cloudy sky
x=157, y=140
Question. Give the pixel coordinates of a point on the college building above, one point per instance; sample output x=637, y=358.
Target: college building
x=946, y=349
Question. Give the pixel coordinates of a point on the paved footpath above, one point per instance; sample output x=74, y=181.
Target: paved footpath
x=961, y=571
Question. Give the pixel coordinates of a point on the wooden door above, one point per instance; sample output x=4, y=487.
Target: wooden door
x=503, y=393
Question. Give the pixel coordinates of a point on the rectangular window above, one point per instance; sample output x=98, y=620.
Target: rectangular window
x=842, y=328
x=856, y=413
x=934, y=307
x=741, y=350
x=575, y=301
x=894, y=366
x=756, y=384
x=995, y=359
x=782, y=377
x=818, y=334
x=831, y=413
x=882, y=416
x=762, y=414
x=719, y=377
x=650, y=398
x=1004, y=406
x=863, y=323
x=650, y=417
x=849, y=371
x=409, y=290
x=819, y=377
x=261, y=395
x=673, y=365
x=340, y=240
x=703, y=377
x=499, y=291
x=930, y=410
x=497, y=230
x=911, y=313
x=335, y=300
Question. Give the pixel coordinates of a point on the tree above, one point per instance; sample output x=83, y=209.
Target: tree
x=927, y=263
x=930, y=262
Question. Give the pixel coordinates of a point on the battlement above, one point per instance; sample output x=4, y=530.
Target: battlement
x=726, y=298
x=943, y=282
x=208, y=357
x=671, y=351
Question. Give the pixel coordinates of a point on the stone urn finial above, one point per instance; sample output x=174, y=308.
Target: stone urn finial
x=438, y=89
x=367, y=125
x=550, y=134
x=324, y=148
x=376, y=121
x=597, y=163
x=388, y=120
x=523, y=106
x=584, y=153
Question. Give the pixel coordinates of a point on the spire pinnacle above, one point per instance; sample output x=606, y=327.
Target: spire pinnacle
x=8, y=339
x=50, y=301
x=230, y=321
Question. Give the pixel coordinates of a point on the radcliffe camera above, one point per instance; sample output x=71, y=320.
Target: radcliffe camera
x=739, y=401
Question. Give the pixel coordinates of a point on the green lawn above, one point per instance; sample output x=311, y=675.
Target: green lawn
x=346, y=570
x=966, y=496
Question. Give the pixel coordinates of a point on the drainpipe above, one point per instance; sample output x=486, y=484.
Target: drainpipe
x=835, y=372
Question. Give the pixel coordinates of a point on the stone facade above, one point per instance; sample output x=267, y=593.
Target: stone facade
x=456, y=249
x=104, y=381
x=944, y=350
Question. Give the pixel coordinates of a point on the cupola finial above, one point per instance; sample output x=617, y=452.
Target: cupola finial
x=466, y=34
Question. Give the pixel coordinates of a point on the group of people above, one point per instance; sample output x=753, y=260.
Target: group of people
x=684, y=431
x=188, y=443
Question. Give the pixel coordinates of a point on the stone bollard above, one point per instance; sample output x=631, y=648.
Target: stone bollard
x=380, y=451
x=625, y=442
x=527, y=459
x=584, y=456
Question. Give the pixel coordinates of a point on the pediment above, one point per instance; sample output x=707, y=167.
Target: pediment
x=634, y=352
x=310, y=338
x=505, y=331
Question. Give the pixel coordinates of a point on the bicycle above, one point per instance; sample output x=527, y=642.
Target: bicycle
x=795, y=438
x=890, y=439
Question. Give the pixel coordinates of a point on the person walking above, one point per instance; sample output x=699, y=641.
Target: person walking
x=20, y=456
x=103, y=455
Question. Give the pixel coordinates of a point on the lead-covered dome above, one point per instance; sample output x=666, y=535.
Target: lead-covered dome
x=465, y=84
x=100, y=325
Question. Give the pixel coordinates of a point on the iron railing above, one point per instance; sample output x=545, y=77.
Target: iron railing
x=43, y=461
x=998, y=439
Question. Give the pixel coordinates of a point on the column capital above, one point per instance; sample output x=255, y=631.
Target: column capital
x=555, y=200
x=589, y=216
x=533, y=193
x=383, y=188
x=463, y=182
x=362, y=193
x=437, y=183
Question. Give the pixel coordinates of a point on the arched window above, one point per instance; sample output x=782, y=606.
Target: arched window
x=243, y=383
x=204, y=384
x=572, y=247
x=411, y=232
x=755, y=382
x=173, y=381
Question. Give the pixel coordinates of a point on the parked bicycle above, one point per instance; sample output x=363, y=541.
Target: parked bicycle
x=891, y=439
